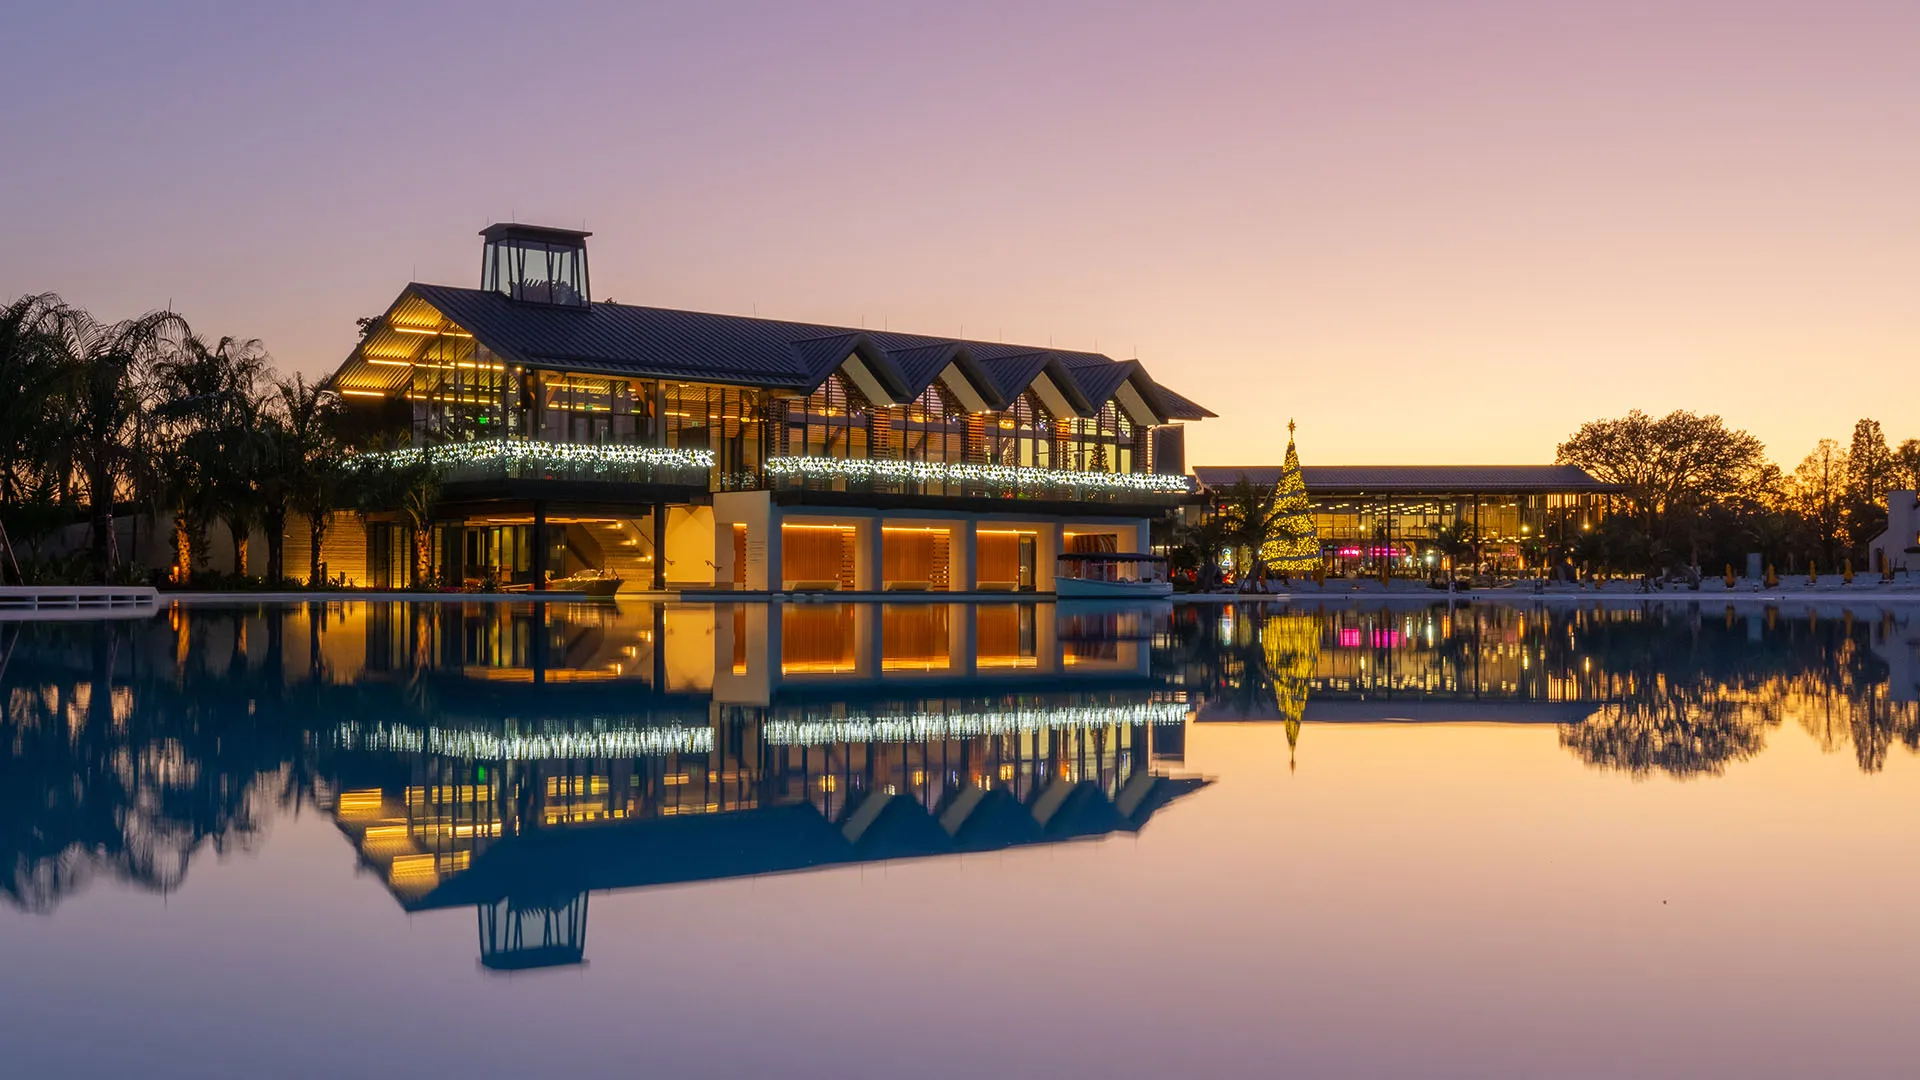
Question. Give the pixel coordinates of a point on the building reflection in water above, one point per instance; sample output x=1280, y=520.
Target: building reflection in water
x=765, y=739
x=512, y=758
x=1676, y=689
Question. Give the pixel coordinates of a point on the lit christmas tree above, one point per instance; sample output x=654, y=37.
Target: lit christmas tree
x=1295, y=548
x=1292, y=645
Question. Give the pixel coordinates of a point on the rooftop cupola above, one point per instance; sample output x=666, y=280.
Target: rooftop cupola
x=536, y=265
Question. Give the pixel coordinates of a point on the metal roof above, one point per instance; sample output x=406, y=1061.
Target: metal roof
x=508, y=230
x=1182, y=408
x=626, y=339
x=1417, y=479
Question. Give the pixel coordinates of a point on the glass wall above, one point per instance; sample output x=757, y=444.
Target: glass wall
x=1421, y=535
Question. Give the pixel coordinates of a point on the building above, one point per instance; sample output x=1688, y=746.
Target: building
x=1418, y=519
x=655, y=744
x=1896, y=545
x=686, y=450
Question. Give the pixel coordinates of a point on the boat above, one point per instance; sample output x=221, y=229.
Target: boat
x=588, y=582
x=1110, y=575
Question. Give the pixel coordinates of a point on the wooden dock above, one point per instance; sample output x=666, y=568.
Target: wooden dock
x=23, y=602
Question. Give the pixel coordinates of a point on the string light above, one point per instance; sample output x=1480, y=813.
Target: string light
x=518, y=456
x=932, y=726
x=1009, y=477
x=531, y=746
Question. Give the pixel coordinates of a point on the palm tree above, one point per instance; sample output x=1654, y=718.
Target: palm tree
x=29, y=377
x=1253, y=521
x=212, y=407
x=103, y=431
x=308, y=463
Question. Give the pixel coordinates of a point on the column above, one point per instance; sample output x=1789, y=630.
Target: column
x=1048, y=543
x=867, y=650
x=962, y=541
x=869, y=552
x=659, y=551
x=963, y=641
x=538, y=559
x=772, y=568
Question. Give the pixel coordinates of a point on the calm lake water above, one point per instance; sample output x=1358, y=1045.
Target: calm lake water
x=933, y=840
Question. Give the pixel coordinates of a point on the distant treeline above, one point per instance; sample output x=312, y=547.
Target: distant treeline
x=1695, y=490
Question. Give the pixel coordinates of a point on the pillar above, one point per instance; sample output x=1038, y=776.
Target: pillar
x=772, y=566
x=962, y=567
x=1046, y=638
x=963, y=641
x=868, y=556
x=1048, y=543
x=868, y=660
x=538, y=560
x=659, y=550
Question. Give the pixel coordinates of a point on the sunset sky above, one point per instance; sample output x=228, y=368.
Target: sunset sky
x=1432, y=232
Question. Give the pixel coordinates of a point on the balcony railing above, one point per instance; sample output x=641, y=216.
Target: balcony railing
x=519, y=459
x=969, y=479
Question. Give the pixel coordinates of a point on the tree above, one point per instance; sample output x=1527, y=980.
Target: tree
x=409, y=482
x=1906, y=465
x=1818, y=492
x=31, y=489
x=1252, y=521
x=1670, y=469
x=1870, y=464
x=1294, y=546
x=102, y=419
x=309, y=459
x=213, y=414
x=1870, y=473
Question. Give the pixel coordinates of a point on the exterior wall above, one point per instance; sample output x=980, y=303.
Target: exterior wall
x=1902, y=532
x=689, y=546
x=888, y=548
x=764, y=647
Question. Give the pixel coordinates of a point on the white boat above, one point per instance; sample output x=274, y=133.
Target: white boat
x=1110, y=575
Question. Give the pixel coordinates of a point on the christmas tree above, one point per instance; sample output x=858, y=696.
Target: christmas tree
x=1295, y=546
x=1292, y=645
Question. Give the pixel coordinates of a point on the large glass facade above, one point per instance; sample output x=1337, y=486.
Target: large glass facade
x=1414, y=535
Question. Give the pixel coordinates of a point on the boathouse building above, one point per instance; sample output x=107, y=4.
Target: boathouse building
x=684, y=450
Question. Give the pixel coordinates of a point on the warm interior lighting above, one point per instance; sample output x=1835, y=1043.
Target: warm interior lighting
x=364, y=393
x=429, y=333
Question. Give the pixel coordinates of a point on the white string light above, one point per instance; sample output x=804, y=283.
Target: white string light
x=1003, y=476
x=526, y=746
x=931, y=726
x=525, y=455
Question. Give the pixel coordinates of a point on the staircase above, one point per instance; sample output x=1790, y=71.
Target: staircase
x=624, y=550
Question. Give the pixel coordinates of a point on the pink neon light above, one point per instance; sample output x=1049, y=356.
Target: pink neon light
x=1351, y=638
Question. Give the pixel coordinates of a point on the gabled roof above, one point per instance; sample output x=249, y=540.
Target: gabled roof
x=1012, y=373
x=643, y=852
x=920, y=365
x=1417, y=479
x=1181, y=408
x=625, y=339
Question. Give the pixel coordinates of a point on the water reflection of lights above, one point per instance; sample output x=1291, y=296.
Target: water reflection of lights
x=925, y=727
x=526, y=746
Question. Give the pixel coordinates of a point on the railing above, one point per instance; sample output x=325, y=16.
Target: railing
x=968, y=479
x=520, y=459
x=35, y=602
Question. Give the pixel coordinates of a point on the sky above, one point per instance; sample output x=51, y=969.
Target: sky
x=1431, y=233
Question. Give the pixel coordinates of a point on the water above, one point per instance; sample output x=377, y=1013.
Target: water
x=832, y=840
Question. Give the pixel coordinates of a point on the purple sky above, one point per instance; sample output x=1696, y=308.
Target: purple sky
x=1432, y=232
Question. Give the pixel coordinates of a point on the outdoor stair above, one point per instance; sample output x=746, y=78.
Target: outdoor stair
x=625, y=551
